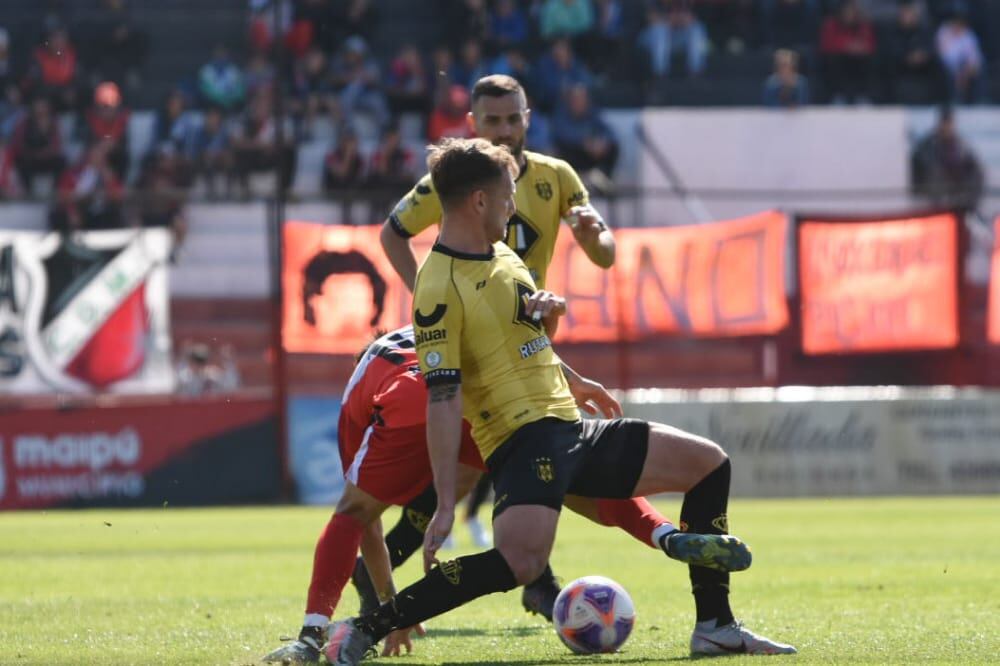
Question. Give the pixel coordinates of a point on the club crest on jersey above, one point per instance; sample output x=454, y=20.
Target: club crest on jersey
x=544, y=469
x=452, y=570
x=432, y=359
x=544, y=189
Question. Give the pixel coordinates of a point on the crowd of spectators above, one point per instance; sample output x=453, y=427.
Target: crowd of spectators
x=219, y=128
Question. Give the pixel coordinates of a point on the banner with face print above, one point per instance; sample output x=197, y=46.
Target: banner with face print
x=85, y=313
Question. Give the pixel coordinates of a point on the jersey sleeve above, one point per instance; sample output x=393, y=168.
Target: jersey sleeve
x=437, y=326
x=416, y=211
x=571, y=189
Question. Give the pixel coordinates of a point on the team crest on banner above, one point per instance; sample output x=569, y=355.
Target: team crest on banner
x=85, y=312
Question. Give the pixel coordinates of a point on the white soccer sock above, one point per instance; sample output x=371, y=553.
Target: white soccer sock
x=315, y=620
x=661, y=531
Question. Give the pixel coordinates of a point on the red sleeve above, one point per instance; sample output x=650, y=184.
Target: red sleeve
x=401, y=401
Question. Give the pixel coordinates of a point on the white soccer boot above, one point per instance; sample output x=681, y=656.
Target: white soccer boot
x=734, y=638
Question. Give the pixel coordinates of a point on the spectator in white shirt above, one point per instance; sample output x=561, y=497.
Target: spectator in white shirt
x=958, y=49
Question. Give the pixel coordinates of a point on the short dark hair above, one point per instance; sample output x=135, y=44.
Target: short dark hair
x=459, y=167
x=496, y=85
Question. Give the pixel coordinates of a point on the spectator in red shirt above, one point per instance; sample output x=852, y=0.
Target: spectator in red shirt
x=89, y=194
x=449, y=116
x=37, y=146
x=53, y=70
x=847, y=47
x=107, y=121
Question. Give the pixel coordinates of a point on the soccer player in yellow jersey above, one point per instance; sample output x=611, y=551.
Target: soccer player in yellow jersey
x=481, y=329
x=548, y=192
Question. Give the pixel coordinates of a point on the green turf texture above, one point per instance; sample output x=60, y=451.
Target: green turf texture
x=901, y=580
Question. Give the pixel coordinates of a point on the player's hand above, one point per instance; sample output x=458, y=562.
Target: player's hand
x=400, y=638
x=437, y=531
x=594, y=399
x=544, y=304
x=586, y=223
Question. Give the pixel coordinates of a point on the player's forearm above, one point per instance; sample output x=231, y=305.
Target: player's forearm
x=400, y=254
x=376, y=556
x=601, y=250
x=444, y=437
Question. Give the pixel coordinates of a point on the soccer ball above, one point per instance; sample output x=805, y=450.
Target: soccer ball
x=593, y=614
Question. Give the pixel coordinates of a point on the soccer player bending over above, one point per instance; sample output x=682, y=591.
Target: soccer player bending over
x=481, y=330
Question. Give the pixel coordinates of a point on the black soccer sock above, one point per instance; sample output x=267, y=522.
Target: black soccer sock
x=447, y=586
x=407, y=536
x=477, y=497
x=704, y=512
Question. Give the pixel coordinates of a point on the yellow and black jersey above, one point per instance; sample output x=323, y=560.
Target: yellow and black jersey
x=470, y=326
x=546, y=189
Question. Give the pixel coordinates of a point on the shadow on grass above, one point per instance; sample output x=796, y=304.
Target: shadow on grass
x=568, y=659
x=476, y=631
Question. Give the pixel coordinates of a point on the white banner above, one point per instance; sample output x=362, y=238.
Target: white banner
x=859, y=441
x=85, y=313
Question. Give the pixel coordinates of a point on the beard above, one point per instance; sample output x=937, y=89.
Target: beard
x=516, y=149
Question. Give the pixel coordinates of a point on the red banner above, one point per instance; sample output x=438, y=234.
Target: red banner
x=993, y=326
x=889, y=285
x=711, y=280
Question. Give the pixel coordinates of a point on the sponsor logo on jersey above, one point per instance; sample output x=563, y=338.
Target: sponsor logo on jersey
x=428, y=320
x=452, y=570
x=423, y=190
x=577, y=198
x=532, y=347
x=544, y=189
x=544, y=469
x=480, y=284
x=432, y=359
x=434, y=335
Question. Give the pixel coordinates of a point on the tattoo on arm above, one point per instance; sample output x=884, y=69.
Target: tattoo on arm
x=443, y=392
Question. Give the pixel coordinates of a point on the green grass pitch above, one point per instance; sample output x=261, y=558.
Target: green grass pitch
x=901, y=580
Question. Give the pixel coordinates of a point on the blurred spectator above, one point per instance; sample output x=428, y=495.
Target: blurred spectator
x=161, y=195
x=439, y=78
x=539, y=135
x=118, y=49
x=208, y=150
x=847, y=47
x=557, y=72
x=470, y=66
x=265, y=25
x=355, y=17
x=943, y=168
x=89, y=194
x=674, y=41
x=53, y=71
x=220, y=81
x=786, y=87
x=608, y=34
x=466, y=20
x=356, y=78
x=344, y=168
x=912, y=68
x=198, y=373
x=6, y=66
x=319, y=15
x=729, y=22
x=11, y=110
x=449, y=116
x=788, y=23
x=391, y=164
x=173, y=124
x=311, y=87
x=258, y=74
x=36, y=147
x=958, y=49
x=107, y=121
x=407, y=83
x=513, y=62
x=255, y=147
x=508, y=25
x=8, y=188
x=565, y=18
x=583, y=138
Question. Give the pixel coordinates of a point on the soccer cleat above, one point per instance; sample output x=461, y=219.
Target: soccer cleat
x=539, y=597
x=304, y=650
x=722, y=552
x=481, y=537
x=364, y=587
x=348, y=645
x=734, y=638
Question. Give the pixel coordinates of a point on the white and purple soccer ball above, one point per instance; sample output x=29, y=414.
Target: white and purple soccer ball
x=593, y=614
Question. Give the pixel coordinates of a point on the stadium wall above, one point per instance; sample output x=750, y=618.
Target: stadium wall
x=854, y=441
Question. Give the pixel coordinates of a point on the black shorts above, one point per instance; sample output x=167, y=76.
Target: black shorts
x=546, y=460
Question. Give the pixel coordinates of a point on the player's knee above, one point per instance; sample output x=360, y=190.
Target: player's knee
x=525, y=565
x=357, y=507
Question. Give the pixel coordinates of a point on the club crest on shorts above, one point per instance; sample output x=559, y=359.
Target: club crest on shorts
x=452, y=570
x=418, y=519
x=544, y=469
